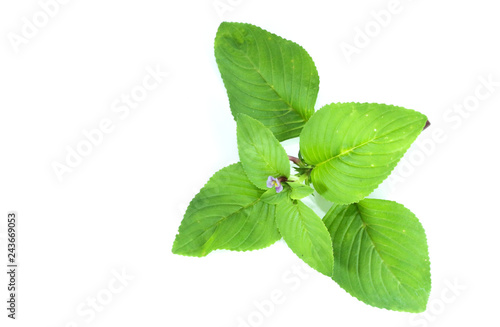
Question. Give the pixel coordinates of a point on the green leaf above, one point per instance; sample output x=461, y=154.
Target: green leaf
x=261, y=154
x=267, y=77
x=305, y=234
x=355, y=146
x=226, y=214
x=381, y=254
x=271, y=197
x=299, y=190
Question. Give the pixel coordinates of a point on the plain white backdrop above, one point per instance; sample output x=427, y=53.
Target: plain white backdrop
x=95, y=241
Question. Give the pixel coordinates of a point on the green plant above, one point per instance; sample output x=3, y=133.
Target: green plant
x=375, y=249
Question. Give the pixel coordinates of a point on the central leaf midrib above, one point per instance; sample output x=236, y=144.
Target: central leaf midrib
x=310, y=236
x=290, y=107
x=265, y=159
x=346, y=152
x=358, y=146
x=363, y=225
x=216, y=225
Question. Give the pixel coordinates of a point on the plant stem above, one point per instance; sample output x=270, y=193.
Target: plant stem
x=293, y=159
x=282, y=179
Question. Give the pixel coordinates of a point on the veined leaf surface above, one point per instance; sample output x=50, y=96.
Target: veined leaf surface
x=381, y=255
x=267, y=77
x=306, y=235
x=227, y=214
x=355, y=146
x=261, y=154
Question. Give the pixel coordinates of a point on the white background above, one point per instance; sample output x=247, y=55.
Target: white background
x=118, y=210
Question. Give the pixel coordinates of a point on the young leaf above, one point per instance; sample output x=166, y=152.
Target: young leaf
x=267, y=77
x=381, y=254
x=260, y=152
x=226, y=214
x=355, y=146
x=306, y=235
x=300, y=191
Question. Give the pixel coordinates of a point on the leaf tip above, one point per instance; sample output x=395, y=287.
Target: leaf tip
x=427, y=124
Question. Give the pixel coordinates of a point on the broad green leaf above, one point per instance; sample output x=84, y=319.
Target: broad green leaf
x=261, y=154
x=305, y=234
x=355, y=146
x=267, y=77
x=271, y=197
x=299, y=190
x=226, y=214
x=381, y=254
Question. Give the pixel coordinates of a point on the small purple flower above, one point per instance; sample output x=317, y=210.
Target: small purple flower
x=274, y=182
